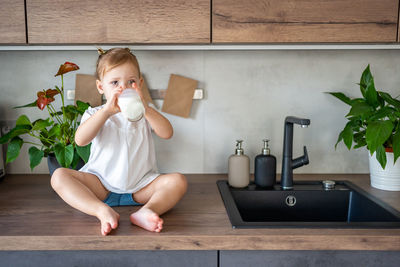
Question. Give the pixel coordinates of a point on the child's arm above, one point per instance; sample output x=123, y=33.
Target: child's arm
x=89, y=129
x=161, y=125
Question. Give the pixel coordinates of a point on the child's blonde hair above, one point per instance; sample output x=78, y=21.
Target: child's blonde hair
x=112, y=58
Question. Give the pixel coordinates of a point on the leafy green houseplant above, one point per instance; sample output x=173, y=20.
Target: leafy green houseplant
x=373, y=120
x=55, y=134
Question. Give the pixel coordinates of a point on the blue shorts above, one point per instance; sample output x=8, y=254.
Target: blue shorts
x=114, y=199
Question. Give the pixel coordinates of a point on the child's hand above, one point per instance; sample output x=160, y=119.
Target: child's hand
x=111, y=107
x=138, y=89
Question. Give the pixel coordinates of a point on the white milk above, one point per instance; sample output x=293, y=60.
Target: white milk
x=131, y=105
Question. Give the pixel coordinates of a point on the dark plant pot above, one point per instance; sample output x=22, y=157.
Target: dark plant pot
x=54, y=165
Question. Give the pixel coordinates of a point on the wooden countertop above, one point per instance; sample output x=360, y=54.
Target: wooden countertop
x=33, y=217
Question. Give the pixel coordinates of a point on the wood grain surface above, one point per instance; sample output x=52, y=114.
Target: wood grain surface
x=254, y=21
x=12, y=22
x=33, y=217
x=101, y=22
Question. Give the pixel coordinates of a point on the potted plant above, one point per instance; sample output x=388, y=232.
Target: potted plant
x=374, y=123
x=54, y=136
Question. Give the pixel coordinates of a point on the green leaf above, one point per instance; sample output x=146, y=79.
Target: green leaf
x=340, y=138
x=381, y=156
x=377, y=134
x=64, y=154
x=360, y=109
x=383, y=113
x=362, y=143
x=70, y=112
x=357, y=100
x=390, y=100
x=84, y=152
x=394, y=116
x=16, y=131
x=20, y=129
x=23, y=120
x=365, y=80
x=341, y=97
x=33, y=104
x=396, y=143
x=359, y=139
x=41, y=124
x=371, y=95
x=4, y=139
x=44, y=136
x=82, y=107
x=347, y=135
x=48, y=150
x=69, y=154
x=66, y=130
x=55, y=130
x=75, y=160
x=35, y=156
x=381, y=101
x=13, y=149
x=72, y=109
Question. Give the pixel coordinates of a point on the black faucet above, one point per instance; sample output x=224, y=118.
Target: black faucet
x=288, y=164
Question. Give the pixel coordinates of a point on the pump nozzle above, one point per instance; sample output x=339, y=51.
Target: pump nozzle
x=266, y=150
x=239, y=149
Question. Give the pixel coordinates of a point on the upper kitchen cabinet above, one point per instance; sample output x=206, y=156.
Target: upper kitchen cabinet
x=398, y=31
x=285, y=21
x=12, y=22
x=107, y=22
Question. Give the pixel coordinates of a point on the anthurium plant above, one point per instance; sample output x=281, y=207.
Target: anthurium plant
x=53, y=135
x=373, y=120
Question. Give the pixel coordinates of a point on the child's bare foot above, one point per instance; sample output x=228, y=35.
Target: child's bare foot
x=108, y=219
x=147, y=219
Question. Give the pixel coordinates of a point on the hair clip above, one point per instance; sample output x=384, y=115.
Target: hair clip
x=129, y=50
x=101, y=51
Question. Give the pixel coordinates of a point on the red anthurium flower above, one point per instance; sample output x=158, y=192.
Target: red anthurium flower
x=51, y=93
x=45, y=97
x=41, y=102
x=67, y=67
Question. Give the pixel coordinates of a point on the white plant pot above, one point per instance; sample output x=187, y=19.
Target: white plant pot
x=385, y=179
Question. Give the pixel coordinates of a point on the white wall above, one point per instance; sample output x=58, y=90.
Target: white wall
x=247, y=96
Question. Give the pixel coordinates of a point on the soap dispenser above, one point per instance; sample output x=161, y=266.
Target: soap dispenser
x=265, y=167
x=239, y=167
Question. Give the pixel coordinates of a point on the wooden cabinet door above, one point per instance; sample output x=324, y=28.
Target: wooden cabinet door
x=398, y=30
x=129, y=21
x=12, y=22
x=264, y=21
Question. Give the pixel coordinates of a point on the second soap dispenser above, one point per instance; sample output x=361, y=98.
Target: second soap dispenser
x=265, y=167
x=239, y=167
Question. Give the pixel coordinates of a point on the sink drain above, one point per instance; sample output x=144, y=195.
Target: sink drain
x=290, y=201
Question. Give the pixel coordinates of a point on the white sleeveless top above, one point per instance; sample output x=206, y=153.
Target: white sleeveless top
x=122, y=154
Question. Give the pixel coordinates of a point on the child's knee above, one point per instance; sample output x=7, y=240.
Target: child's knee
x=180, y=181
x=176, y=181
x=57, y=177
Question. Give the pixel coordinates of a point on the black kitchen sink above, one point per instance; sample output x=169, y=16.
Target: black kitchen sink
x=308, y=204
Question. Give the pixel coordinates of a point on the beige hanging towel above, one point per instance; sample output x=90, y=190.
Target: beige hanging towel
x=86, y=90
x=179, y=96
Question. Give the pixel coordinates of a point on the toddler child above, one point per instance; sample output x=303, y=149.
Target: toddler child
x=122, y=166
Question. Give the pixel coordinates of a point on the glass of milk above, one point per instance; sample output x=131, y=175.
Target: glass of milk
x=131, y=105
